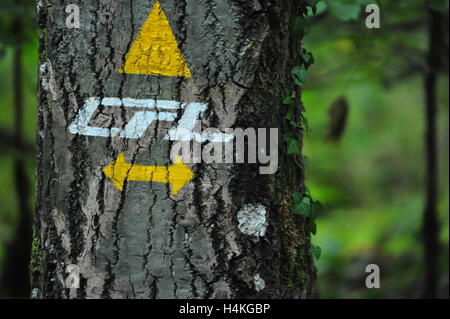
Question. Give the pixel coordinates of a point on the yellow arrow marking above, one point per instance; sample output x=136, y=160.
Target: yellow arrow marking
x=178, y=174
x=155, y=50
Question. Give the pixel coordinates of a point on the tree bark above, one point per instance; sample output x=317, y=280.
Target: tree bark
x=144, y=241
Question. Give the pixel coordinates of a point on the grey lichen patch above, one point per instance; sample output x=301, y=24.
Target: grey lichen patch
x=48, y=81
x=35, y=293
x=260, y=284
x=252, y=220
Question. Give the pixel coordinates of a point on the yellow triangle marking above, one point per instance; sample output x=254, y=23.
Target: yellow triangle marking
x=155, y=50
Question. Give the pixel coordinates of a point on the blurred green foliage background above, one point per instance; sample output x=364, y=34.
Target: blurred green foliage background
x=371, y=181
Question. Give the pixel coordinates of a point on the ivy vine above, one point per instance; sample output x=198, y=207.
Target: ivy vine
x=303, y=203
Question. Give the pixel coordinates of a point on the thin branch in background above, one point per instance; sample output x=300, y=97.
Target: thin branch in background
x=8, y=143
x=16, y=272
x=430, y=225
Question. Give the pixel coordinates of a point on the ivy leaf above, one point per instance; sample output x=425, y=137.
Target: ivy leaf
x=316, y=7
x=299, y=75
x=290, y=114
x=308, y=58
x=297, y=197
x=288, y=137
x=304, y=207
x=302, y=107
x=306, y=123
x=307, y=191
x=287, y=100
x=316, y=251
x=299, y=23
x=312, y=227
x=294, y=147
x=288, y=97
x=306, y=161
x=312, y=4
x=296, y=125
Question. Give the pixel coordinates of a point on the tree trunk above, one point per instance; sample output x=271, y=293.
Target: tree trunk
x=230, y=231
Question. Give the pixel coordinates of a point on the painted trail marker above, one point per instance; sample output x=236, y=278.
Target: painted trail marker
x=135, y=128
x=147, y=112
x=155, y=50
x=119, y=171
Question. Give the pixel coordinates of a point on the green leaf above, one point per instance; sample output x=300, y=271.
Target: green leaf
x=304, y=207
x=306, y=123
x=288, y=137
x=294, y=147
x=287, y=100
x=299, y=23
x=306, y=161
x=295, y=124
x=312, y=4
x=307, y=191
x=312, y=227
x=316, y=251
x=290, y=114
x=302, y=107
x=297, y=197
x=308, y=58
x=299, y=75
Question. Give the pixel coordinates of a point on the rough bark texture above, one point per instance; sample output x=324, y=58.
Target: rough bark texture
x=145, y=242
